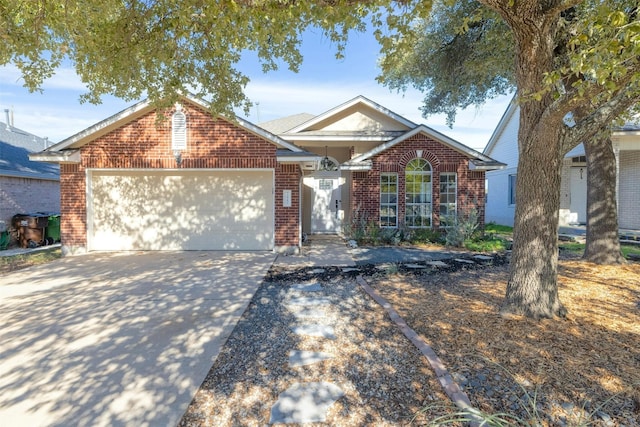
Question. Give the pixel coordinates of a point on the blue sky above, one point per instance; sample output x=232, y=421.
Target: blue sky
x=321, y=84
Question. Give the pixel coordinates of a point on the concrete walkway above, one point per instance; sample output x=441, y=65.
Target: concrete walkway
x=319, y=251
x=117, y=339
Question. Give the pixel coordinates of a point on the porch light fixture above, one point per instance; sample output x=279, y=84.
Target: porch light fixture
x=326, y=164
x=178, y=156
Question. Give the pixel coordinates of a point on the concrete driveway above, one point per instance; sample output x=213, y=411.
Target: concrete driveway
x=117, y=339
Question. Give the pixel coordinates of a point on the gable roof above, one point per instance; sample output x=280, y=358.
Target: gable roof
x=478, y=161
x=15, y=147
x=66, y=151
x=501, y=126
x=323, y=126
x=513, y=108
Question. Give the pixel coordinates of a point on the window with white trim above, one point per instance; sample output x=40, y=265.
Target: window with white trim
x=417, y=178
x=448, y=198
x=178, y=131
x=388, y=200
x=512, y=189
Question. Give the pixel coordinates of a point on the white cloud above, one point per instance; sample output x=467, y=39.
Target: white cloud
x=65, y=78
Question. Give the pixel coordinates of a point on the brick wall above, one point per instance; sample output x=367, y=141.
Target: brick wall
x=145, y=143
x=25, y=195
x=287, y=218
x=365, y=186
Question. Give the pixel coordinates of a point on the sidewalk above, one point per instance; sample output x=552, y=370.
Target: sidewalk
x=320, y=250
x=20, y=251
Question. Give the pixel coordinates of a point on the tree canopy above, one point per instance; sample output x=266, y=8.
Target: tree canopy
x=159, y=48
x=576, y=66
x=577, y=59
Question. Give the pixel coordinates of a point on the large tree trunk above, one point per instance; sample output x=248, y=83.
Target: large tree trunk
x=532, y=289
x=603, y=243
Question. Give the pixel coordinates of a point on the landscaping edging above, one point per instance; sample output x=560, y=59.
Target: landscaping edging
x=451, y=388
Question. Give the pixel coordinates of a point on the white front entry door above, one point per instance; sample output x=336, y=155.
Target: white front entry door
x=579, y=195
x=326, y=210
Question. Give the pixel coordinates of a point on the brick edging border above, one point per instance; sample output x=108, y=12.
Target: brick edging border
x=451, y=388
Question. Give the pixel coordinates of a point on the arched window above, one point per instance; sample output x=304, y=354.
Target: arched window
x=417, y=176
x=179, y=131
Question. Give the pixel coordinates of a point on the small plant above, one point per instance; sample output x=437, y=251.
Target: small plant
x=422, y=235
x=461, y=228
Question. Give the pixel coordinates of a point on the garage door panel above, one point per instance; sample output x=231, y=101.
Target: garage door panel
x=230, y=210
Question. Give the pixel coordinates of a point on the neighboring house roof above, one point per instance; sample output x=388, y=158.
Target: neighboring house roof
x=15, y=147
x=510, y=114
x=477, y=160
x=67, y=151
x=284, y=124
x=501, y=126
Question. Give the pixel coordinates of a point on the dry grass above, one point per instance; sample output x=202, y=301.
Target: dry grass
x=582, y=369
x=18, y=262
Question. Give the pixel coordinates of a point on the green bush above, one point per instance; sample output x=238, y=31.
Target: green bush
x=461, y=228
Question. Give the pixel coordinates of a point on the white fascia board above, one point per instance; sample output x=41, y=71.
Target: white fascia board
x=486, y=167
x=333, y=138
x=356, y=166
x=67, y=156
x=452, y=143
x=296, y=159
x=349, y=104
x=250, y=127
x=502, y=124
x=128, y=112
x=145, y=105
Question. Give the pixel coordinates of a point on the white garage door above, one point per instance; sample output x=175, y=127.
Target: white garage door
x=181, y=210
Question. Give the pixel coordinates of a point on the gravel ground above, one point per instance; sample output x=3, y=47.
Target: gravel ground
x=385, y=379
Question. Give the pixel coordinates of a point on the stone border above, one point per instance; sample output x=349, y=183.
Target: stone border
x=453, y=390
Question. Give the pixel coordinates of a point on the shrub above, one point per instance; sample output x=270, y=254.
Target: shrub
x=461, y=228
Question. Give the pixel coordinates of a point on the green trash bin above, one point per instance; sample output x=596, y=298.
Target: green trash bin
x=4, y=240
x=52, y=232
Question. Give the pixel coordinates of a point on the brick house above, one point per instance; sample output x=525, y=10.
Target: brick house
x=503, y=145
x=25, y=186
x=195, y=182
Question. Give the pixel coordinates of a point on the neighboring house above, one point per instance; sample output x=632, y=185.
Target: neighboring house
x=25, y=186
x=503, y=146
x=197, y=182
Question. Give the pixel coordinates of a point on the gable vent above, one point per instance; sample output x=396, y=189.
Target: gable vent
x=179, y=131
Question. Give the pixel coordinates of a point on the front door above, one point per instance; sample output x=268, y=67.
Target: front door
x=326, y=211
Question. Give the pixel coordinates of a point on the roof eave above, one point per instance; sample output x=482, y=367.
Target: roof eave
x=364, y=138
x=66, y=156
x=29, y=175
x=356, y=166
x=297, y=159
x=480, y=165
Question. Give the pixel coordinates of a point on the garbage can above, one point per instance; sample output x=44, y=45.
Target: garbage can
x=52, y=232
x=4, y=240
x=5, y=237
x=30, y=228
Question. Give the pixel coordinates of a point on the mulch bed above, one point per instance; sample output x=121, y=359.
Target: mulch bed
x=585, y=368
